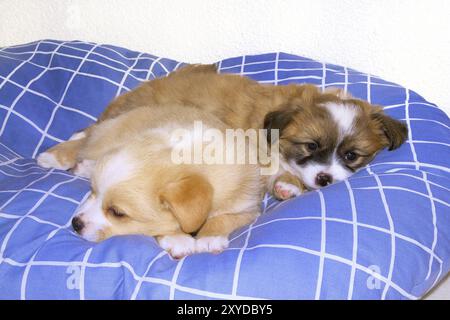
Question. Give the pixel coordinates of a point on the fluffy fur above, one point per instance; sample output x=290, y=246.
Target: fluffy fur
x=324, y=137
x=137, y=189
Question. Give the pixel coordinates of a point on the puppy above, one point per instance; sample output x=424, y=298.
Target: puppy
x=138, y=189
x=325, y=136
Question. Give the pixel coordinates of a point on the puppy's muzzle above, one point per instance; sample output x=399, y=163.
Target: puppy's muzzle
x=323, y=179
x=77, y=224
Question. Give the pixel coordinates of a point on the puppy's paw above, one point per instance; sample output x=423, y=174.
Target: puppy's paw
x=178, y=246
x=283, y=190
x=213, y=244
x=84, y=168
x=49, y=160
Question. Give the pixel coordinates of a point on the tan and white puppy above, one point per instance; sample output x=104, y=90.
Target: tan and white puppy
x=138, y=189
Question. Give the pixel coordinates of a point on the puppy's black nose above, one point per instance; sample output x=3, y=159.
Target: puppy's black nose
x=323, y=179
x=77, y=224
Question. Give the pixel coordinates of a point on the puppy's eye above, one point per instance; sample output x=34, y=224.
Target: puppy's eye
x=350, y=156
x=312, y=146
x=115, y=212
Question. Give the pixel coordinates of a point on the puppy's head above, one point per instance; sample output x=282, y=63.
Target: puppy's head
x=325, y=137
x=132, y=197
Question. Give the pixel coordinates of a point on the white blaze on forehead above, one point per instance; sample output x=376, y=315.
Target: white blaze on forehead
x=343, y=115
x=116, y=168
x=111, y=170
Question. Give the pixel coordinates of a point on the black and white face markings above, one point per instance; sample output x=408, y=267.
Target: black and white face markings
x=329, y=158
x=327, y=141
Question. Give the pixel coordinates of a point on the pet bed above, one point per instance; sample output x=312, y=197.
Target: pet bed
x=382, y=234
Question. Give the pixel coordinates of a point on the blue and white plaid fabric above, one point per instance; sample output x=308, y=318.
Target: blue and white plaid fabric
x=383, y=234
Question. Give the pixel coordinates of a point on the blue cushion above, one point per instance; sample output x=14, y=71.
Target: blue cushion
x=382, y=234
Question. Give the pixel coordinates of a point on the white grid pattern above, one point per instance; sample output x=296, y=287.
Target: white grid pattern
x=55, y=109
x=323, y=241
x=392, y=234
x=10, y=163
x=24, y=90
x=120, y=86
x=355, y=239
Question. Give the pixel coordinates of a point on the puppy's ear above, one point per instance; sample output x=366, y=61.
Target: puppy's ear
x=395, y=131
x=277, y=120
x=189, y=198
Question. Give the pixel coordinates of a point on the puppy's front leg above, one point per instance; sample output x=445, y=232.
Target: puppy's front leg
x=63, y=156
x=287, y=186
x=213, y=236
x=178, y=245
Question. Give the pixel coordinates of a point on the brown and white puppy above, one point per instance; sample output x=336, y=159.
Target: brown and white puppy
x=325, y=138
x=138, y=189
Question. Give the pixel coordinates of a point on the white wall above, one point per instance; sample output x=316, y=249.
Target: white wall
x=405, y=41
